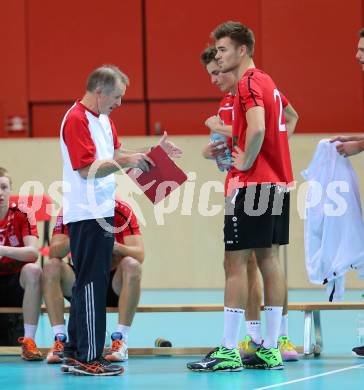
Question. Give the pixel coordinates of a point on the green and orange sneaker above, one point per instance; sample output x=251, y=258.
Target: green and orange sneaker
x=220, y=359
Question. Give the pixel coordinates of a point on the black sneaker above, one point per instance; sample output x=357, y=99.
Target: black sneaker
x=97, y=367
x=220, y=359
x=358, y=352
x=265, y=359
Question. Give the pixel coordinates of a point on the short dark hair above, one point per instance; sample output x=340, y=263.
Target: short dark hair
x=5, y=173
x=105, y=78
x=238, y=33
x=361, y=33
x=208, y=55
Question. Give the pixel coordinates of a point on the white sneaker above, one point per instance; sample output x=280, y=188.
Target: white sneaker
x=119, y=350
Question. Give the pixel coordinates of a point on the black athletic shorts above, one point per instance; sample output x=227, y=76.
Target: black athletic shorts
x=11, y=292
x=256, y=216
x=112, y=299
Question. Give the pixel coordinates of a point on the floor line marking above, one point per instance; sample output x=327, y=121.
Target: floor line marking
x=310, y=377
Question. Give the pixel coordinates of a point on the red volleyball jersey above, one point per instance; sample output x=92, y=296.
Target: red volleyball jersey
x=273, y=163
x=13, y=228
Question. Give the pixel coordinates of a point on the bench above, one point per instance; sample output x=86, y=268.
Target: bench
x=312, y=324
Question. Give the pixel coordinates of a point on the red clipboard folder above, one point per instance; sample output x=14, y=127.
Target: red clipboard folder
x=161, y=179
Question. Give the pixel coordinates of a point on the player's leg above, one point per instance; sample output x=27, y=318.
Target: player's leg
x=31, y=281
x=11, y=295
x=268, y=356
x=58, y=278
x=236, y=293
x=272, y=223
x=126, y=284
x=253, y=338
x=227, y=356
x=287, y=348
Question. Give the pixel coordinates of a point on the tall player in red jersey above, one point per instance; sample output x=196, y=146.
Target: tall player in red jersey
x=222, y=123
x=257, y=204
x=20, y=277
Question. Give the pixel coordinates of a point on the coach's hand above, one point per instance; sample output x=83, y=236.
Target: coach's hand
x=169, y=147
x=141, y=161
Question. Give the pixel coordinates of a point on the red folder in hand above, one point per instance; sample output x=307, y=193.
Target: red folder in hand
x=162, y=179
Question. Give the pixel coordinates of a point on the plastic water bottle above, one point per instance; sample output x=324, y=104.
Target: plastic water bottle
x=223, y=161
x=360, y=324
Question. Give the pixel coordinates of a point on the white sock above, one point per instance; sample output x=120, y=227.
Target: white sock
x=59, y=329
x=254, y=330
x=29, y=331
x=124, y=330
x=284, y=326
x=273, y=319
x=232, y=323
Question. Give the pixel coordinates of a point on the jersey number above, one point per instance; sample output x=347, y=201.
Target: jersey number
x=282, y=126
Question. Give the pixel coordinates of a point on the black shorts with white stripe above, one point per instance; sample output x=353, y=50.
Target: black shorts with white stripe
x=256, y=216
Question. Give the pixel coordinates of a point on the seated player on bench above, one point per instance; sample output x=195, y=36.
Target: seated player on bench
x=124, y=284
x=20, y=277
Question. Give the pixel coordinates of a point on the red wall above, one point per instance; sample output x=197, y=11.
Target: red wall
x=50, y=47
x=13, y=70
x=313, y=60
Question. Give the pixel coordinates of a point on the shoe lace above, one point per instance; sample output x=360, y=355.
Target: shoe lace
x=268, y=353
x=286, y=344
x=229, y=352
x=116, y=344
x=94, y=366
x=29, y=344
x=211, y=352
x=58, y=346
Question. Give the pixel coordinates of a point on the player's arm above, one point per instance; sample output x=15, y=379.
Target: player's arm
x=133, y=246
x=27, y=253
x=350, y=148
x=59, y=246
x=291, y=118
x=254, y=139
x=215, y=124
x=169, y=147
x=102, y=168
x=348, y=138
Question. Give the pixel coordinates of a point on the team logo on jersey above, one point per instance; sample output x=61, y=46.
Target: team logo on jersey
x=13, y=240
x=235, y=140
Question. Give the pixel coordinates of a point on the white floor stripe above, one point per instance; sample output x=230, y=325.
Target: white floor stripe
x=310, y=377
